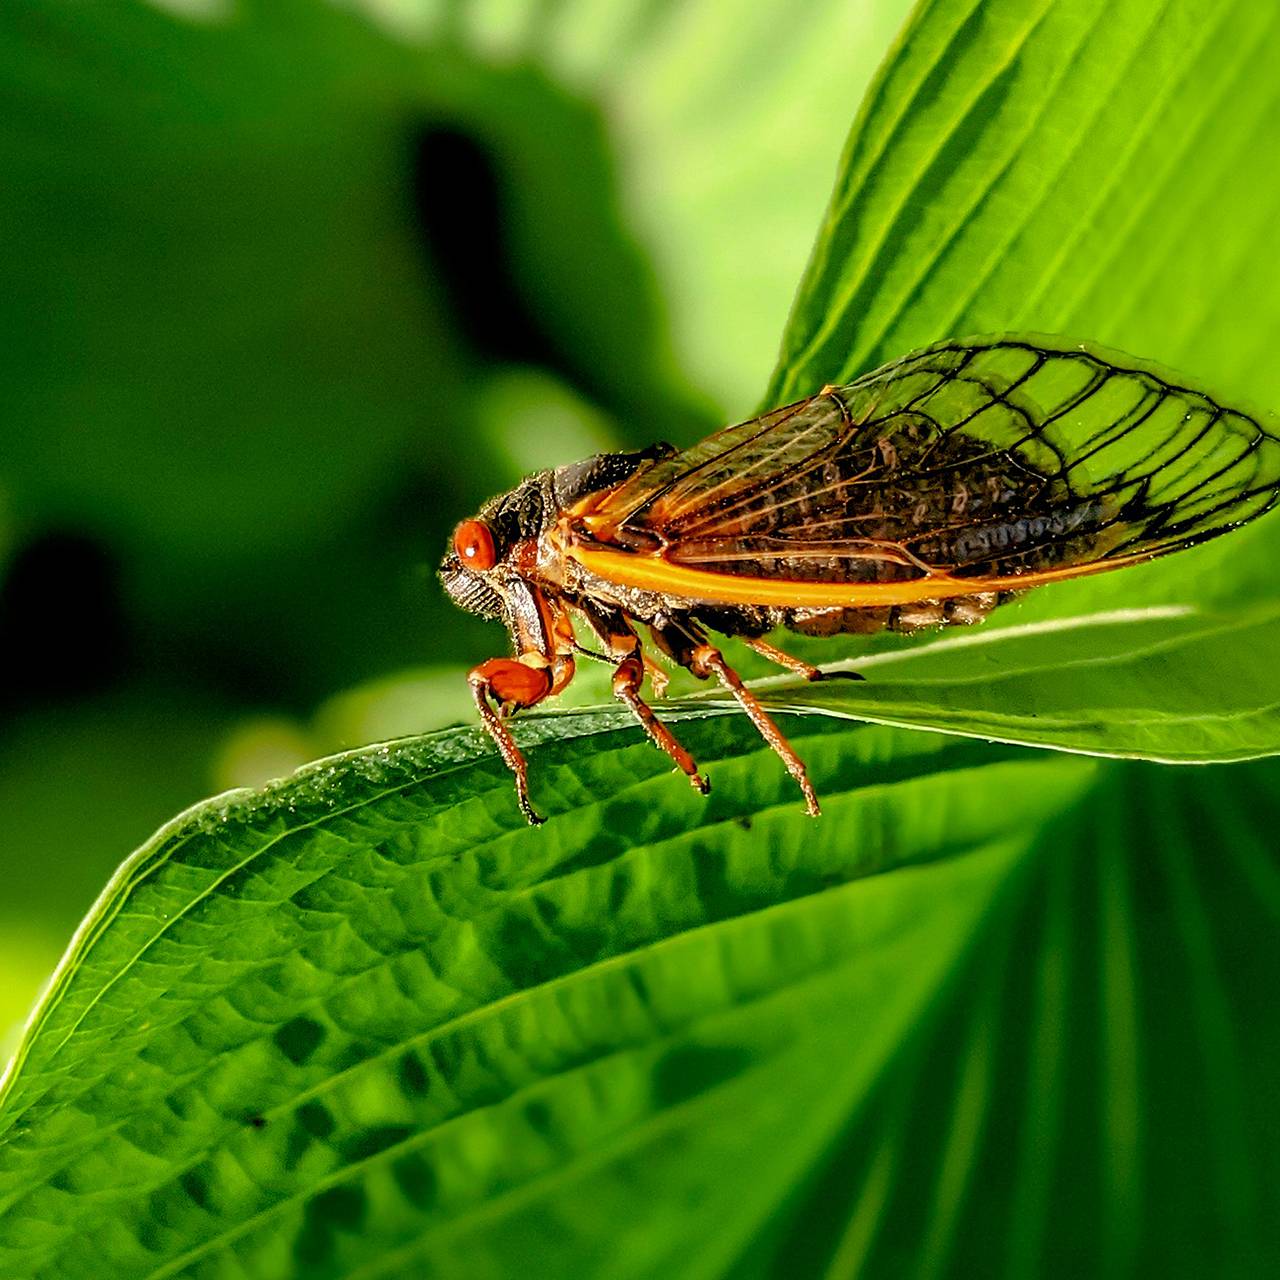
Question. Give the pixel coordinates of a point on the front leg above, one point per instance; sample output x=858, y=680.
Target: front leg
x=514, y=685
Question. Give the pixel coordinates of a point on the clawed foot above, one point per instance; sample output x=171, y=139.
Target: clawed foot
x=836, y=675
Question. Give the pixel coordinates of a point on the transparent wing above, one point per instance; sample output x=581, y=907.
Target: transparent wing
x=981, y=459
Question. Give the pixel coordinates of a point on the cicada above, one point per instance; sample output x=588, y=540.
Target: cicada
x=922, y=494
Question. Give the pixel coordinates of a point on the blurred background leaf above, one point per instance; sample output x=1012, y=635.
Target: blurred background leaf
x=271, y=263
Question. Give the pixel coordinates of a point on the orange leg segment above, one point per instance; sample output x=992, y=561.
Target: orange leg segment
x=514, y=685
x=627, y=677
x=705, y=660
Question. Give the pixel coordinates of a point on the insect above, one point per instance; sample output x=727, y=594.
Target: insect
x=922, y=494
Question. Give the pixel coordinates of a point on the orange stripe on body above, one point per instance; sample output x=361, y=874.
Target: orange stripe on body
x=649, y=572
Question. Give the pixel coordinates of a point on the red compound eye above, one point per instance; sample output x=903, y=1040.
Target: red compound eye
x=474, y=544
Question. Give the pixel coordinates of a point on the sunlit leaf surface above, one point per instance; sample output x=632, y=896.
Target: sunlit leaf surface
x=1095, y=168
x=361, y=1023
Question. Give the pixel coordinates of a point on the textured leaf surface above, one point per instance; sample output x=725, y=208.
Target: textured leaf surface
x=360, y=1026
x=999, y=1012
x=1080, y=167
x=375, y=1016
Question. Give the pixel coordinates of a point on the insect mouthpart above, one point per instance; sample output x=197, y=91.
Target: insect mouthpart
x=469, y=590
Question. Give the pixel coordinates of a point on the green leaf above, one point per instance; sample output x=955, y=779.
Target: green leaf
x=350, y=987
x=359, y=1025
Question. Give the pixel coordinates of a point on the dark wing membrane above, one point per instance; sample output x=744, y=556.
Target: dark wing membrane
x=980, y=459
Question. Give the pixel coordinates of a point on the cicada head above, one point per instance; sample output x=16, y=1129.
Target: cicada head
x=476, y=569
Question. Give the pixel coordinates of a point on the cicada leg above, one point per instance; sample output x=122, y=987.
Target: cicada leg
x=628, y=675
x=798, y=665
x=542, y=632
x=515, y=685
x=691, y=650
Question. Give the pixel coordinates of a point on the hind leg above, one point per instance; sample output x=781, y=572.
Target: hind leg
x=690, y=648
x=798, y=665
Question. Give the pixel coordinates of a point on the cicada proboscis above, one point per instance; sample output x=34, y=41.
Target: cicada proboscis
x=922, y=494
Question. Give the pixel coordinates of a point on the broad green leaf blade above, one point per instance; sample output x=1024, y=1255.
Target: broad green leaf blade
x=1102, y=170
x=1098, y=168
x=359, y=1014
x=357, y=1026
x=1088, y=1096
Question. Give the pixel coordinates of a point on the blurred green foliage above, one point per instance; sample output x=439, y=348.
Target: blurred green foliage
x=290, y=286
